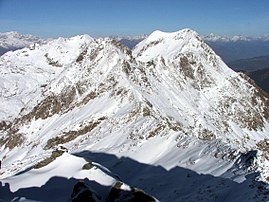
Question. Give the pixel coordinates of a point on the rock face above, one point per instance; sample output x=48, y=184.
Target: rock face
x=119, y=192
x=172, y=98
x=83, y=193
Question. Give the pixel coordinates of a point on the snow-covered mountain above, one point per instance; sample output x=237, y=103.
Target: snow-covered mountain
x=10, y=41
x=168, y=117
x=229, y=48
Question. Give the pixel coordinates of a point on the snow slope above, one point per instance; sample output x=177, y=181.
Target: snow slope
x=56, y=180
x=171, y=103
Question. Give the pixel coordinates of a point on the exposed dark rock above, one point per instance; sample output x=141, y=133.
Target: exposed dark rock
x=246, y=160
x=264, y=146
x=81, y=56
x=47, y=161
x=87, y=166
x=94, y=53
x=71, y=135
x=89, y=97
x=152, y=43
x=126, y=68
x=134, y=195
x=146, y=111
x=156, y=131
x=206, y=134
x=122, y=47
x=4, y=125
x=52, y=104
x=52, y=62
x=186, y=68
x=14, y=139
x=82, y=193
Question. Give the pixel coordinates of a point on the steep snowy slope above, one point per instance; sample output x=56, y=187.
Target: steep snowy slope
x=171, y=103
x=212, y=95
x=26, y=72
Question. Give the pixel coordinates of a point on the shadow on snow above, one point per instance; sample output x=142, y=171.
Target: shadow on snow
x=177, y=184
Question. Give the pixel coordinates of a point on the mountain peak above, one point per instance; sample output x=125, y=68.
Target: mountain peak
x=236, y=38
x=174, y=45
x=157, y=34
x=10, y=33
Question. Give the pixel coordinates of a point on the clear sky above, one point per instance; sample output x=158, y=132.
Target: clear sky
x=52, y=18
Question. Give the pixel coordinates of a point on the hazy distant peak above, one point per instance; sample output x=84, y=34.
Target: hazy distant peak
x=214, y=38
x=85, y=38
x=17, y=35
x=130, y=37
x=14, y=40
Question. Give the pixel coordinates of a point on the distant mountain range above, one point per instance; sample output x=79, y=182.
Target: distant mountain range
x=14, y=41
x=212, y=37
x=229, y=48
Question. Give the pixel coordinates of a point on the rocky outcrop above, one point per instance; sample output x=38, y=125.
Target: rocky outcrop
x=119, y=192
x=83, y=193
x=55, y=154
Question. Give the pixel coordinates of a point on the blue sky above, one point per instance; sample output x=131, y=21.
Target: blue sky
x=52, y=18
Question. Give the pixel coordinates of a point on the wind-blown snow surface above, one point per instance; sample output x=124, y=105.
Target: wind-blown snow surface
x=171, y=103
